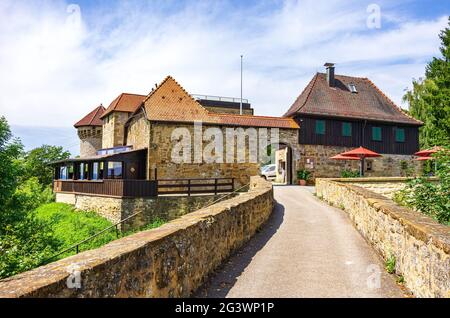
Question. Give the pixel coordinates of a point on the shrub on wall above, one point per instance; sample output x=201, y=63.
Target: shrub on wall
x=349, y=174
x=430, y=198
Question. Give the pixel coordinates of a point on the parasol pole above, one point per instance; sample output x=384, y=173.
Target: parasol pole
x=361, y=168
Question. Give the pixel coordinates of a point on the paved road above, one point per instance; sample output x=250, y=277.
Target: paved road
x=306, y=249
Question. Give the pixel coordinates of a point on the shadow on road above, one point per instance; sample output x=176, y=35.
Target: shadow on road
x=219, y=283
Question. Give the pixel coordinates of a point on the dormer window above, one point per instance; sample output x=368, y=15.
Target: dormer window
x=352, y=88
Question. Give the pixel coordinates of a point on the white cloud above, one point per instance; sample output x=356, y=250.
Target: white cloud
x=54, y=71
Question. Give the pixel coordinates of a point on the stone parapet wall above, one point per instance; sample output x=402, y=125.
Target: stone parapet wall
x=420, y=246
x=170, y=261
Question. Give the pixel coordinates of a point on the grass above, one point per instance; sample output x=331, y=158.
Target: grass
x=72, y=226
x=390, y=264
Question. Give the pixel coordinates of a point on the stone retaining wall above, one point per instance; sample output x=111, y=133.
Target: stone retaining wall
x=420, y=245
x=170, y=261
x=166, y=208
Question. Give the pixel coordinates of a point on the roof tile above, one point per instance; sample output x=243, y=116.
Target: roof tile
x=92, y=119
x=170, y=102
x=125, y=102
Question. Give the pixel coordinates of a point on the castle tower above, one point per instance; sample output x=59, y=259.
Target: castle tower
x=90, y=132
x=115, y=117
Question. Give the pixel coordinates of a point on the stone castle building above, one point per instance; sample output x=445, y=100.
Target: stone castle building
x=132, y=139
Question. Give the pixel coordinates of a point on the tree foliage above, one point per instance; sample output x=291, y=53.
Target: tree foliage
x=36, y=163
x=430, y=198
x=429, y=99
x=25, y=241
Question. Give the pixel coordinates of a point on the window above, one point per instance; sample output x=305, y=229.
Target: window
x=347, y=129
x=376, y=133
x=95, y=171
x=352, y=88
x=320, y=127
x=114, y=170
x=84, y=171
x=63, y=173
x=399, y=135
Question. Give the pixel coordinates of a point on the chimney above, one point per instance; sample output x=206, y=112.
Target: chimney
x=330, y=73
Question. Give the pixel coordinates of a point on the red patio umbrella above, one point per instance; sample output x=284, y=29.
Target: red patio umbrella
x=424, y=155
x=428, y=152
x=424, y=158
x=341, y=157
x=361, y=153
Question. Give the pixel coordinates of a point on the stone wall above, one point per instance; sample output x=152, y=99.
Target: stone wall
x=90, y=140
x=114, y=129
x=166, y=208
x=420, y=245
x=170, y=261
x=160, y=156
x=138, y=135
x=316, y=158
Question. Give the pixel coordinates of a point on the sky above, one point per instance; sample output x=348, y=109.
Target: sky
x=59, y=60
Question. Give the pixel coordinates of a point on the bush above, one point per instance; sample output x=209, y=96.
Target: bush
x=349, y=174
x=303, y=174
x=430, y=198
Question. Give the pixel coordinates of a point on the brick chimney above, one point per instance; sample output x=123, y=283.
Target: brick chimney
x=330, y=73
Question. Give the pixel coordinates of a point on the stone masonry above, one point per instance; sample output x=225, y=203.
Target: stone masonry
x=157, y=137
x=166, y=208
x=114, y=129
x=419, y=245
x=316, y=158
x=90, y=140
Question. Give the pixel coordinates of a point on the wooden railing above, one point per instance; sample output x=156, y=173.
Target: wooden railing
x=115, y=188
x=145, y=188
x=195, y=186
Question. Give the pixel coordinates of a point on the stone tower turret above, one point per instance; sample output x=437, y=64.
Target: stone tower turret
x=90, y=132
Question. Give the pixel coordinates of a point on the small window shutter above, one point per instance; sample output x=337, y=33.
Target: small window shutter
x=320, y=127
x=376, y=133
x=346, y=129
x=399, y=135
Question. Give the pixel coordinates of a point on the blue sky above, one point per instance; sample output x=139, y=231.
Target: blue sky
x=61, y=59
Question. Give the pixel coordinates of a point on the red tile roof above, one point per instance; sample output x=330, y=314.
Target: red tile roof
x=170, y=102
x=92, y=119
x=368, y=103
x=125, y=102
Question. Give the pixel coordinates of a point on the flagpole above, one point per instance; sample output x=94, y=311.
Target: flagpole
x=240, y=107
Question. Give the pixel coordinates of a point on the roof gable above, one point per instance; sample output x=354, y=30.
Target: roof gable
x=368, y=103
x=170, y=102
x=125, y=102
x=92, y=119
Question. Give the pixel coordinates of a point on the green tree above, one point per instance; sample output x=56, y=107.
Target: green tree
x=429, y=99
x=10, y=150
x=24, y=241
x=36, y=163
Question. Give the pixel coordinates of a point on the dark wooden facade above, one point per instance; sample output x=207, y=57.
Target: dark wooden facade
x=112, y=188
x=361, y=134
